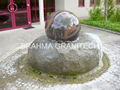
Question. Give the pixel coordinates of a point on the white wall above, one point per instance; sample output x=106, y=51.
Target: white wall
x=73, y=6
x=60, y=4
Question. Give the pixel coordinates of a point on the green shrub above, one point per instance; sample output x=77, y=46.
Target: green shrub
x=116, y=15
x=98, y=2
x=111, y=8
x=96, y=14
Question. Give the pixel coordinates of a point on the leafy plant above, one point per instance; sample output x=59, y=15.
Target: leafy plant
x=111, y=8
x=98, y=2
x=115, y=17
x=96, y=13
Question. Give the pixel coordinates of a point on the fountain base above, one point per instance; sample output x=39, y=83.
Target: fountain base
x=63, y=79
x=68, y=58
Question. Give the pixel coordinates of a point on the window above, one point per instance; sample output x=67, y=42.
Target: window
x=81, y=3
x=95, y=2
x=35, y=10
x=92, y=2
x=118, y=2
x=49, y=7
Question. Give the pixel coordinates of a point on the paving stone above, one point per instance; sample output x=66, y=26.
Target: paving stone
x=110, y=80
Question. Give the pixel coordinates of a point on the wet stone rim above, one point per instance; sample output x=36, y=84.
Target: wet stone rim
x=29, y=71
x=25, y=70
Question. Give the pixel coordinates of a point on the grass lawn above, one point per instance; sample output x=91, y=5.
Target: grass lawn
x=114, y=26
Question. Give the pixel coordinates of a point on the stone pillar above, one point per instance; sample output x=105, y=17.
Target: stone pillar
x=41, y=12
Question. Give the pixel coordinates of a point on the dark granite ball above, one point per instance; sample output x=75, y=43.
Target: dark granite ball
x=62, y=26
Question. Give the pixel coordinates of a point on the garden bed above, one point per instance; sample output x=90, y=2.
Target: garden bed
x=114, y=26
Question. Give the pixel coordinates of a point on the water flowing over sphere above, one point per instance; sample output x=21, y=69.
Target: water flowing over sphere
x=62, y=26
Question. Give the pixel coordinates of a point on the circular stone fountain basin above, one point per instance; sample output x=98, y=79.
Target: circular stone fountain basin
x=25, y=70
x=66, y=55
x=70, y=58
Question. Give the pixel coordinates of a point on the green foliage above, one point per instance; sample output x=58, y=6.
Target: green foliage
x=115, y=17
x=98, y=2
x=96, y=14
x=111, y=8
x=114, y=26
x=97, y=17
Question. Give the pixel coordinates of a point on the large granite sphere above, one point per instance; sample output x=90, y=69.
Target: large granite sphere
x=77, y=57
x=62, y=26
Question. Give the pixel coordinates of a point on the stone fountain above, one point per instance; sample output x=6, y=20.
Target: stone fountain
x=64, y=55
x=66, y=50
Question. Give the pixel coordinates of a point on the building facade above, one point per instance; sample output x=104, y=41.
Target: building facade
x=23, y=13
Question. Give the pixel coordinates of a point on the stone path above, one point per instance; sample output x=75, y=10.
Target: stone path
x=12, y=39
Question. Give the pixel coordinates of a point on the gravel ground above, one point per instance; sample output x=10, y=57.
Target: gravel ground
x=11, y=79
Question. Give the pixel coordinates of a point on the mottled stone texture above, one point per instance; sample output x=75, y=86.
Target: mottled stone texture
x=62, y=26
x=70, y=60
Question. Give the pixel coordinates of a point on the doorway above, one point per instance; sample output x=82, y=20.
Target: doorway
x=34, y=10
x=49, y=7
x=14, y=14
